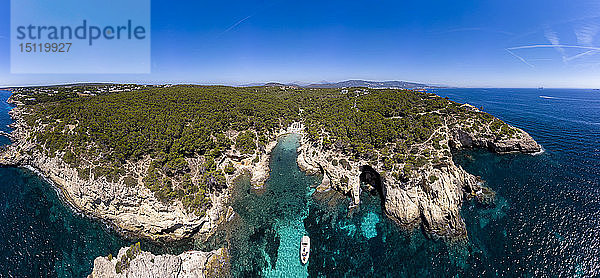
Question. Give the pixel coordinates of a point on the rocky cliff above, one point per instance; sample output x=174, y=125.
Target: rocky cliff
x=429, y=194
x=131, y=208
x=132, y=262
x=415, y=175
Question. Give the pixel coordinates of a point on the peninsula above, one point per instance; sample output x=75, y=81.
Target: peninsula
x=158, y=161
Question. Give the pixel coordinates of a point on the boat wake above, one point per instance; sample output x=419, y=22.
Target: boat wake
x=542, y=150
x=570, y=99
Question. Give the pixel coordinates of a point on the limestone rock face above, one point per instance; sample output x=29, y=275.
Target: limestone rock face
x=436, y=204
x=431, y=195
x=191, y=264
x=338, y=172
x=131, y=208
x=521, y=142
x=257, y=164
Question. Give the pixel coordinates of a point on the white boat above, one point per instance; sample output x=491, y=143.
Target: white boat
x=304, y=249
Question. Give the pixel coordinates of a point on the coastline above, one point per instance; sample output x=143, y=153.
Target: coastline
x=428, y=193
x=530, y=189
x=263, y=172
x=64, y=179
x=415, y=198
x=259, y=173
x=68, y=202
x=60, y=191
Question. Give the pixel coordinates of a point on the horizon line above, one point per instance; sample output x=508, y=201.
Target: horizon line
x=260, y=84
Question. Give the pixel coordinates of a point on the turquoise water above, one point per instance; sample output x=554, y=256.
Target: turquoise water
x=545, y=222
x=264, y=238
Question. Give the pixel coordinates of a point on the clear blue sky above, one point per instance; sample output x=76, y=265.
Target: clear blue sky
x=509, y=43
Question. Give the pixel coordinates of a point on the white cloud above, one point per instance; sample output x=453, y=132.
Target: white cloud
x=586, y=32
x=552, y=37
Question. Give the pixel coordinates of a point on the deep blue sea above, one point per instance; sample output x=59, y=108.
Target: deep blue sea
x=546, y=221
x=39, y=235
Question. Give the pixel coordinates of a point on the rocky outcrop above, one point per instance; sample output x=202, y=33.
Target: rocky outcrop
x=433, y=203
x=413, y=192
x=133, y=208
x=430, y=195
x=256, y=165
x=338, y=172
x=420, y=200
x=134, y=263
x=521, y=142
x=130, y=208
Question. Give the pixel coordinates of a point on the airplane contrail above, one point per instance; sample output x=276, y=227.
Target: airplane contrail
x=553, y=46
x=237, y=23
x=520, y=58
x=591, y=49
x=260, y=9
x=581, y=55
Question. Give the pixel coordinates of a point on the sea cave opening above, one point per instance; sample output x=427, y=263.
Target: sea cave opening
x=369, y=176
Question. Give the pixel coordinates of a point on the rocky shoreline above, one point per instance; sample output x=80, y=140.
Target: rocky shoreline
x=431, y=196
x=131, y=210
x=132, y=262
x=430, y=193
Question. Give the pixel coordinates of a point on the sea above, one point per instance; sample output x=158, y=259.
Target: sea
x=545, y=221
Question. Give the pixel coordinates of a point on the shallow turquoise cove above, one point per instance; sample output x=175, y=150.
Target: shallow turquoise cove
x=544, y=220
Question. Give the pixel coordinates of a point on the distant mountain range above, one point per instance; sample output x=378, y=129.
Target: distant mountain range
x=342, y=84
x=371, y=84
x=357, y=83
